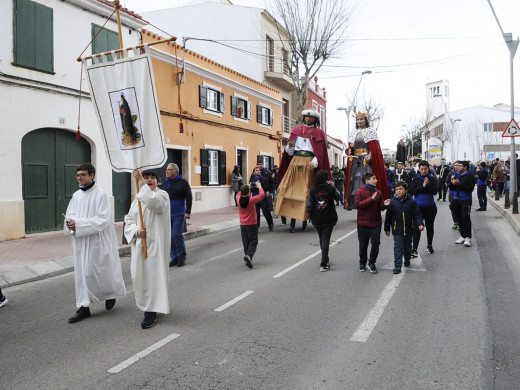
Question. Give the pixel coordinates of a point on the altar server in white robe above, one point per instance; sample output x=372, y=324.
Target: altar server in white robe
x=150, y=275
x=97, y=266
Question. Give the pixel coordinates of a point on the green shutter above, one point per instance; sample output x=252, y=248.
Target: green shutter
x=106, y=40
x=43, y=38
x=24, y=33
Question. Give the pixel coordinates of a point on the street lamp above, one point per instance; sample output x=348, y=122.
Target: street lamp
x=348, y=109
x=512, y=46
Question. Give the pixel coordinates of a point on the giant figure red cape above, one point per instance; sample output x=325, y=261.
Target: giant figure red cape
x=378, y=167
x=319, y=146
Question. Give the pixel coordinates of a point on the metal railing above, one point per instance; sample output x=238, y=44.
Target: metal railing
x=288, y=124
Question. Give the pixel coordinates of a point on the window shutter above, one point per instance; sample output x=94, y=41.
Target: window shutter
x=259, y=114
x=271, y=117
x=43, y=37
x=204, y=167
x=222, y=107
x=203, y=99
x=24, y=38
x=222, y=177
x=233, y=106
x=249, y=110
x=271, y=162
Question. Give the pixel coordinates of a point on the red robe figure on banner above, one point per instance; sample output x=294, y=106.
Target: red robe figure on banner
x=305, y=153
x=364, y=155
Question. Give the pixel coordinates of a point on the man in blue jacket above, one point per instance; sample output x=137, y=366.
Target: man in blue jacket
x=463, y=187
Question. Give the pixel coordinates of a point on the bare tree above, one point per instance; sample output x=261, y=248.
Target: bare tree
x=316, y=29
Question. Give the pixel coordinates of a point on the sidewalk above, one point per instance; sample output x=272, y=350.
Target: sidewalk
x=41, y=255
x=514, y=219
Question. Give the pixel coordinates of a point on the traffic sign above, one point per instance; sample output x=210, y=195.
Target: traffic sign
x=512, y=130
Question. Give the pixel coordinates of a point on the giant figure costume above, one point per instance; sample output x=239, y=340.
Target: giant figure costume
x=364, y=155
x=296, y=178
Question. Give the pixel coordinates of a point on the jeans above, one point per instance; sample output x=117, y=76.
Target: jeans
x=324, y=232
x=428, y=214
x=178, y=249
x=402, y=247
x=482, y=197
x=265, y=210
x=463, y=209
x=365, y=235
x=249, y=235
x=341, y=197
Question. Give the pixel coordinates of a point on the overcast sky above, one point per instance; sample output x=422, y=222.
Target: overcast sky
x=406, y=44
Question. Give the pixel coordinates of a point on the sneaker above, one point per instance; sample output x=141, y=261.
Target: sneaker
x=460, y=240
x=325, y=268
x=444, y=200
x=81, y=314
x=397, y=270
x=3, y=301
x=438, y=199
x=173, y=262
x=372, y=268
x=291, y=229
x=430, y=250
x=467, y=241
x=362, y=267
x=455, y=226
x=414, y=253
x=150, y=319
x=247, y=259
x=271, y=228
x=407, y=263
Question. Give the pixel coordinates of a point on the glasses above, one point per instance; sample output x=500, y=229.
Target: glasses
x=81, y=174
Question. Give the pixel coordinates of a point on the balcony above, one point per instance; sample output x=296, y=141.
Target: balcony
x=288, y=125
x=278, y=72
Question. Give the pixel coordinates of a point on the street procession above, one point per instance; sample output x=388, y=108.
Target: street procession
x=273, y=194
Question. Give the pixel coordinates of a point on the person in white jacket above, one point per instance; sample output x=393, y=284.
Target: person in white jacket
x=150, y=274
x=97, y=266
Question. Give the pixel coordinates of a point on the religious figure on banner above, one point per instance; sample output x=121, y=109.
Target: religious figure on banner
x=305, y=153
x=127, y=118
x=364, y=155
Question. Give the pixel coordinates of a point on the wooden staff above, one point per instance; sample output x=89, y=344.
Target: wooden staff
x=145, y=251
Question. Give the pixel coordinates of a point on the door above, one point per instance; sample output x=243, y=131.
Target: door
x=121, y=190
x=49, y=161
x=174, y=156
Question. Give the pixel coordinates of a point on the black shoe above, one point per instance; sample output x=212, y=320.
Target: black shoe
x=324, y=268
x=271, y=228
x=173, y=262
x=150, y=319
x=438, y=199
x=81, y=314
x=180, y=262
x=110, y=303
x=291, y=229
x=362, y=267
x=247, y=259
x=444, y=200
x=414, y=253
x=304, y=228
x=372, y=268
x=397, y=270
x=430, y=250
x=480, y=209
x=407, y=263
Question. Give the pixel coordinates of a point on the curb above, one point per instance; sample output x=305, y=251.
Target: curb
x=515, y=224
x=63, y=265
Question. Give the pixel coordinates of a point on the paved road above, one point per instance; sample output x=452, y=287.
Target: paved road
x=448, y=323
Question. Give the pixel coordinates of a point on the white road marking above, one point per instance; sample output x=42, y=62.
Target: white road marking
x=128, y=362
x=312, y=255
x=369, y=323
x=233, y=301
x=417, y=264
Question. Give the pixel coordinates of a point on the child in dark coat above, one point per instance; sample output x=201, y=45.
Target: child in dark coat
x=321, y=210
x=402, y=216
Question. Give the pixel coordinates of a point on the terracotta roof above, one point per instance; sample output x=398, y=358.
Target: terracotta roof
x=122, y=9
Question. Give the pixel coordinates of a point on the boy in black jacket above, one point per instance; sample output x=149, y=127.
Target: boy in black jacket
x=321, y=209
x=403, y=215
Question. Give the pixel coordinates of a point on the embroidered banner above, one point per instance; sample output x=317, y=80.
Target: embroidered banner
x=125, y=102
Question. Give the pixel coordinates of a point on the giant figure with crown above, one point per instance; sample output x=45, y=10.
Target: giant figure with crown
x=364, y=155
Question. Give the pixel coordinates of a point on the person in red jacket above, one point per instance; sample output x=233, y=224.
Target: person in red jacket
x=369, y=204
x=248, y=222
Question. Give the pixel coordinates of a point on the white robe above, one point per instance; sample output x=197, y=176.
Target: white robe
x=97, y=266
x=150, y=275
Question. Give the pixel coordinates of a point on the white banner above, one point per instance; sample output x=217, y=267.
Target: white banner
x=125, y=101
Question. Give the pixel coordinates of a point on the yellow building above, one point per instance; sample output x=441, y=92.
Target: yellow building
x=228, y=119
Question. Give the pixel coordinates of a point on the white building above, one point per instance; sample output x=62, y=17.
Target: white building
x=39, y=88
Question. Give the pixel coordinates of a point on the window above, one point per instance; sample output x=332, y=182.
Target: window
x=488, y=126
x=322, y=118
x=211, y=99
x=240, y=108
x=285, y=62
x=264, y=115
x=213, y=167
x=33, y=36
x=106, y=40
x=269, y=46
x=268, y=161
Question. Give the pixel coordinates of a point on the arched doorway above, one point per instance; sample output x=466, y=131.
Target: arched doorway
x=49, y=161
